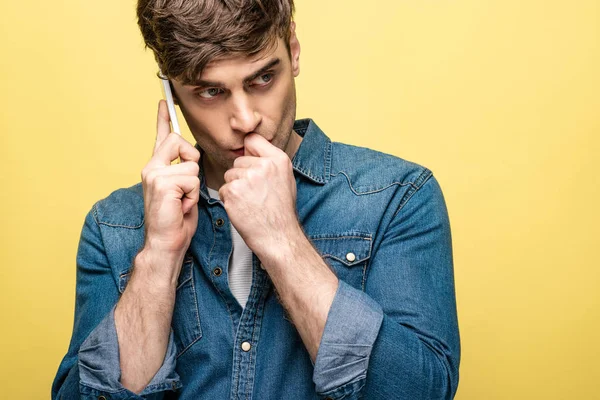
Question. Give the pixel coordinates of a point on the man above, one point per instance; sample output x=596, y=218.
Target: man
x=269, y=262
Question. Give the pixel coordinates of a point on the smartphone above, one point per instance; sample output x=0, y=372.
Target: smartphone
x=170, y=103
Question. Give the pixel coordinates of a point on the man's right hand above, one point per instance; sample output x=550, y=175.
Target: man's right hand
x=144, y=311
x=171, y=194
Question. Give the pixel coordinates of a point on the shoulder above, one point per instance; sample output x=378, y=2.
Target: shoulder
x=369, y=171
x=122, y=208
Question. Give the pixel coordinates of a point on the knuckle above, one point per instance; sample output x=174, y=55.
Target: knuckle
x=196, y=181
x=264, y=162
x=160, y=183
x=194, y=168
x=234, y=186
x=196, y=155
x=253, y=174
x=147, y=175
x=151, y=176
x=282, y=158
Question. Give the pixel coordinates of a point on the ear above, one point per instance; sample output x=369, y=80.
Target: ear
x=294, y=50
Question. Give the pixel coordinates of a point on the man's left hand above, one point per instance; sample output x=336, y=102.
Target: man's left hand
x=259, y=196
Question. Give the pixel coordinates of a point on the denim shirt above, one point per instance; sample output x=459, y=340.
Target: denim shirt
x=378, y=221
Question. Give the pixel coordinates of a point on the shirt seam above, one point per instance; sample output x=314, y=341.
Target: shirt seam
x=421, y=180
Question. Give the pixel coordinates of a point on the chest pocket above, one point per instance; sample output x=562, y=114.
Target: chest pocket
x=348, y=255
x=186, y=318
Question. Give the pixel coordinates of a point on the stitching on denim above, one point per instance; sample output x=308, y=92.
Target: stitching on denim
x=197, y=315
x=331, y=237
x=307, y=174
x=422, y=179
x=226, y=303
x=94, y=215
x=223, y=297
x=122, y=226
x=187, y=279
x=98, y=222
x=346, y=388
x=261, y=300
x=163, y=386
x=254, y=302
x=401, y=184
x=353, y=263
x=94, y=387
x=235, y=371
x=327, y=159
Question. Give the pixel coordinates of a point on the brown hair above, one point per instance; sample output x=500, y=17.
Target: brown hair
x=185, y=35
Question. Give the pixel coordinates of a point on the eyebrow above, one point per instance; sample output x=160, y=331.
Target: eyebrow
x=251, y=77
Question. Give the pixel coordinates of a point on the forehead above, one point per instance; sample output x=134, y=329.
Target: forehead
x=241, y=65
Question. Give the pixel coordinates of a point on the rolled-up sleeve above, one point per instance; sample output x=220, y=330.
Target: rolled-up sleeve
x=99, y=365
x=352, y=326
x=399, y=338
x=91, y=367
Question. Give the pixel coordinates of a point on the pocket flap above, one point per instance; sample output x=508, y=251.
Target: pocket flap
x=350, y=249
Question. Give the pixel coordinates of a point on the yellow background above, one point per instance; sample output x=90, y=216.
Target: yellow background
x=501, y=99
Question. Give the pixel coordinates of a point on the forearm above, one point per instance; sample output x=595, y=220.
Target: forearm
x=306, y=287
x=143, y=322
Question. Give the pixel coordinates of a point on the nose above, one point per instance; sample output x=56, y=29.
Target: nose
x=244, y=117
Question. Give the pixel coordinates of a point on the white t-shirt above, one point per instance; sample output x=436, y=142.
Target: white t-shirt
x=240, y=263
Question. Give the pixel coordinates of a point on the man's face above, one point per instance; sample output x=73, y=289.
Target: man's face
x=237, y=96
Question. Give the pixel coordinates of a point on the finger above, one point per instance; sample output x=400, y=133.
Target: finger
x=234, y=173
x=245, y=161
x=163, y=128
x=256, y=145
x=175, y=146
x=190, y=199
x=190, y=168
x=189, y=187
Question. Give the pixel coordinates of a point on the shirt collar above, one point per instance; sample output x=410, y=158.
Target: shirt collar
x=313, y=157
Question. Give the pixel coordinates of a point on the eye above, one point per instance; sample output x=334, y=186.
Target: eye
x=210, y=93
x=263, y=80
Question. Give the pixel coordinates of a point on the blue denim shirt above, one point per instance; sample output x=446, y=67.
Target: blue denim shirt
x=379, y=221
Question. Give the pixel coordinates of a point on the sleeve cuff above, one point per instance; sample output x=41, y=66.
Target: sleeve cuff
x=100, y=370
x=351, y=329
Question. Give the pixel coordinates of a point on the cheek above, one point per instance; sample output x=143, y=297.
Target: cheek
x=276, y=106
x=205, y=125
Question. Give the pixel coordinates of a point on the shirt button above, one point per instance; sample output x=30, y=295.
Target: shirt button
x=217, y=271
x=246, y=346
x=220, y=222
x=101, y=398
x=350, y=257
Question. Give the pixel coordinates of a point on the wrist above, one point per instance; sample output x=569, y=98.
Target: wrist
x=157, y=269
x=286, y=246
